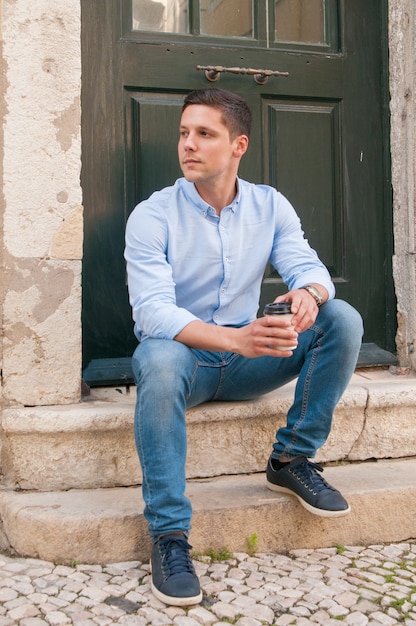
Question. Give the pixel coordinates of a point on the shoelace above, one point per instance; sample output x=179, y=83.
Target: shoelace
x=306, y=472
x=176, y=558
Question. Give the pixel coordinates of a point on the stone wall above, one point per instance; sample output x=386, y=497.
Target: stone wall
x=41, y=202
x=402, y=45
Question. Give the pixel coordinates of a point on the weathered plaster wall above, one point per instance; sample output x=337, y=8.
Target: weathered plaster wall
x=402, y=44
x=2, y=114
x=42, y=235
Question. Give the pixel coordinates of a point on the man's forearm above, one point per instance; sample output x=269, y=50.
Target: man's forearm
x=264, y=336
x=203, y=336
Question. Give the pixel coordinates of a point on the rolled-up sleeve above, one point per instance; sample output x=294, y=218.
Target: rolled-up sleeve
x=149, y=276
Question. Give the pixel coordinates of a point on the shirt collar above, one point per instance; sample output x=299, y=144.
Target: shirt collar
x=196, y=199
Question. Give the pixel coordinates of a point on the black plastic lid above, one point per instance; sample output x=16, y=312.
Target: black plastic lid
x=277, y=308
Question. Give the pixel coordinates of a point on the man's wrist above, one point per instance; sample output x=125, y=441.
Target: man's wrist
x=315, y=293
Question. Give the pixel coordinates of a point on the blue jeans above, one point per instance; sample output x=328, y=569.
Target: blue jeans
x=171, y=378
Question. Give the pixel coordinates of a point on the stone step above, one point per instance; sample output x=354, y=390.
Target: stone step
x=91, y=445
x=107, y=525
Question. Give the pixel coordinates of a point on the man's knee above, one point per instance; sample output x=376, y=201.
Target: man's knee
x=160, y=360
x=344, y=318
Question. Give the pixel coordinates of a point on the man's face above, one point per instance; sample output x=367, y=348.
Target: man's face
x=206, y=152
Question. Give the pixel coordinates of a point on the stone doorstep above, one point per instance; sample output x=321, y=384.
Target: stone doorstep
x=91, y=444
x=107, y=525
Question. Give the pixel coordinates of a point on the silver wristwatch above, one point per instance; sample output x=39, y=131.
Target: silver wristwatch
x=315, y=293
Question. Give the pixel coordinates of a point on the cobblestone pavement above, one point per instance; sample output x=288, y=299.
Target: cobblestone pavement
x=352, y=585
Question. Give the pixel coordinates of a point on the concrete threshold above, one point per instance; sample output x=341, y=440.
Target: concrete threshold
x=107, y=525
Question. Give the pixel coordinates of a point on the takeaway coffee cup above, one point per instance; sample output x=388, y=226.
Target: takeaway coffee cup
x=282, y=309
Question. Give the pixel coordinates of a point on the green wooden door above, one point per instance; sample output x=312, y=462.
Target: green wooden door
x=320, y=134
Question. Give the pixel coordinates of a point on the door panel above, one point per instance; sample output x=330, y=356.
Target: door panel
x=150, y=115
x=311, y=132
x=317, y=135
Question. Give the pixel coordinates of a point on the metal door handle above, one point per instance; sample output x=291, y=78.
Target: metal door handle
x=213, y=72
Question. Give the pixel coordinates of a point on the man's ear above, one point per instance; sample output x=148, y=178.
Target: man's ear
x=240, y=145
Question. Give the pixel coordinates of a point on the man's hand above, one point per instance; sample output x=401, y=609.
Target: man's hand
x=265, y=337
x=304, y=307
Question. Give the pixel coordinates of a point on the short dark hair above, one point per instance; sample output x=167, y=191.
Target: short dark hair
x=235, y=111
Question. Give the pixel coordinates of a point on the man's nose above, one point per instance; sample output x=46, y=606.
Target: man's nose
x=189, y=143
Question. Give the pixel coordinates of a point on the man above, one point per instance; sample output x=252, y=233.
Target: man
x=196, y=253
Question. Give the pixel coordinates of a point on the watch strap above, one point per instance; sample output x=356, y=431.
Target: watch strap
x=315, y=293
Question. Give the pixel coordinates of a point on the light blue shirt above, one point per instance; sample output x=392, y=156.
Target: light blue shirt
x=185, y=263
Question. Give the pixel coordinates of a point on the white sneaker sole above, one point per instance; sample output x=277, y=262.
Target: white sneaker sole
x=308, y=507
x=173, y=600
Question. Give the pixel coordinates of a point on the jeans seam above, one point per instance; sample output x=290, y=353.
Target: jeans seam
x=145, y=482
x=222, y=374
x=192, y=380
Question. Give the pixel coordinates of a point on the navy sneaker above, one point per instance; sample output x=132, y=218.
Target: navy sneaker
x=301, y=479
x=174, y=580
